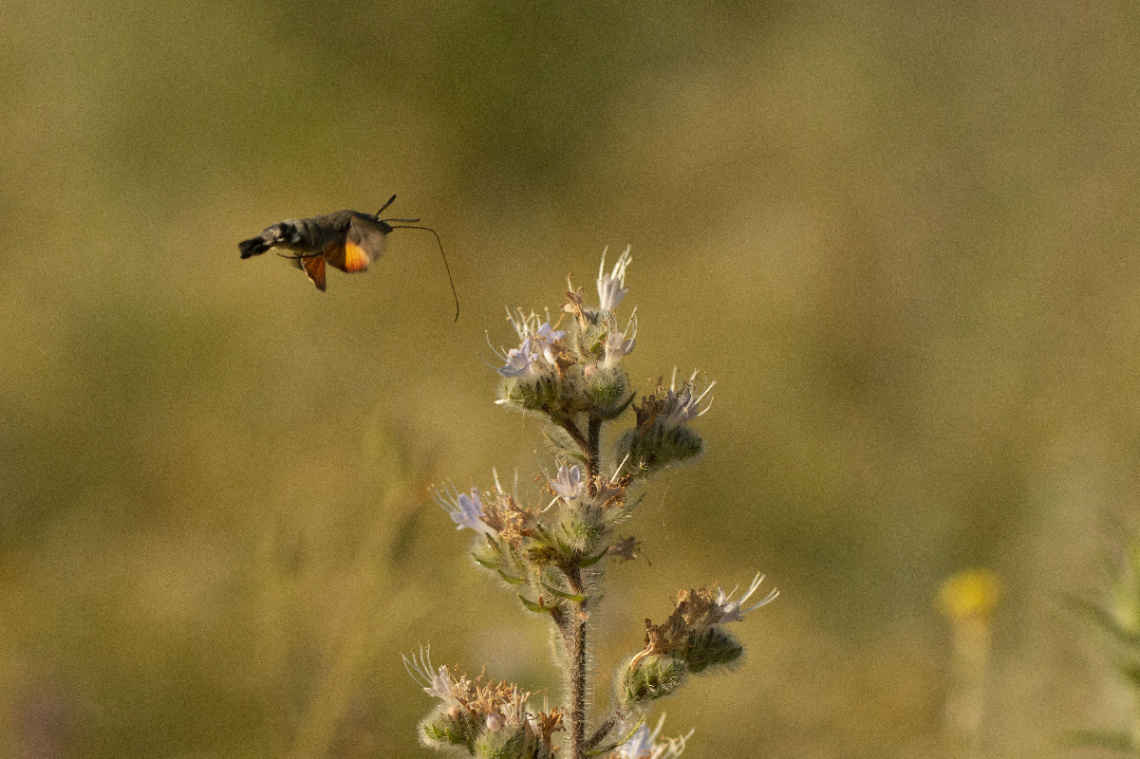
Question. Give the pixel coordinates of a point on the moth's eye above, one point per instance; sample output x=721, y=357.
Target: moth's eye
x=288, y=232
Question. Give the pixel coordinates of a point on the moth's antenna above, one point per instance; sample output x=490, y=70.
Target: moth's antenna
x=391, y=200
x=454, y=294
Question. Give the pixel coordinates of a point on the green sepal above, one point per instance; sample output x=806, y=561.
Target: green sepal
x=563, y=594
x=439, y=730
x=590, y=561
x=624, y=512
x=484, y=563
x=619, y=410
x=510, y=580
x=507, y=743
x=653, y=677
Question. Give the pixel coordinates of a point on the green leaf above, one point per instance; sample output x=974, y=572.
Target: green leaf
x=563, y=594
x=625, y=405
x=1131, y=672
x=1116, y=740
x=509, y=578
x=484, y=563
x=612, y=746
x=590, y=561
x=1105, y=622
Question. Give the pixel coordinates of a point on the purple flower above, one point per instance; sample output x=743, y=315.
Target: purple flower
x=465, y=511
x=540, y=344
x=547, y=339
x=519, y=360
x=568, y=485
x=620, y=344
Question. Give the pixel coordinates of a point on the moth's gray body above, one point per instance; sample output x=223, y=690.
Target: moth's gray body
x=315, y=235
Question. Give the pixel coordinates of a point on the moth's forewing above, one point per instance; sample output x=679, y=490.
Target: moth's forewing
x=314, y=267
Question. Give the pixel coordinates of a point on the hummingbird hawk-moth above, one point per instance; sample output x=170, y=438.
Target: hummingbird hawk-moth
x=347, y=240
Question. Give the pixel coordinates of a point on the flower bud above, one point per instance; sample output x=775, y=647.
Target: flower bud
x=450, y=726
x=647, y=678
x=581, y=527
x=608, y=390
x=506, y=743
x=712, y=648
x=659, y=445
x=534, y=393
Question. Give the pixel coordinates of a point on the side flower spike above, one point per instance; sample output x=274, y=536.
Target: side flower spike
x=683, y=405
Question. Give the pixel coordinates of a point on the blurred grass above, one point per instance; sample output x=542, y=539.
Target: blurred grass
x=901, y=236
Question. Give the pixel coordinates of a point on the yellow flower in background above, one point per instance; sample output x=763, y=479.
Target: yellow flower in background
x=970, y=594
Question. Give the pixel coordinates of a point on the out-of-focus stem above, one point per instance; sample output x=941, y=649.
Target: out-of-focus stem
x=965, y=704
x=604, y=729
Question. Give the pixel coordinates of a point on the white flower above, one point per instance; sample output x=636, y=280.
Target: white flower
x=643, y=744
x=465, y=511
x=729, y=611
x=514, y=710
x=568, y=485
x=437, y=684
x=611, y=287
x=547, y=341
x=620, y=344
x=519, y=360
x=684, y=405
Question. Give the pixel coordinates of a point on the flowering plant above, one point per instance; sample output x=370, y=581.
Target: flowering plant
x=554, y=554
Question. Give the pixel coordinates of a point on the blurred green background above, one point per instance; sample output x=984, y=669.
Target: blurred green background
x=901, y=236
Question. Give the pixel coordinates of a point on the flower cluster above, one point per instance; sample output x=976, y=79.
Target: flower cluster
x=662, y=436
x=692, y=640
x=486, y=717
x=551, y=549
x=573, y=372
x=537, y=547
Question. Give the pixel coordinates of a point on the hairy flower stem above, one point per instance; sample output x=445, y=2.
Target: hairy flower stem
x=573, y=431
x=593, y=449
x=578, y=673
x=578, y=692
